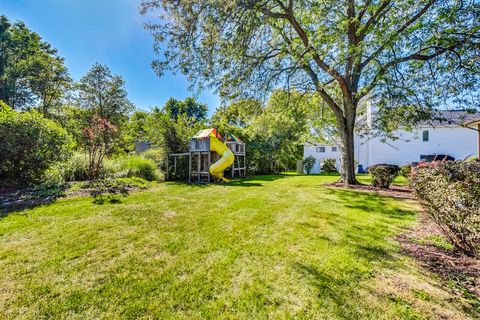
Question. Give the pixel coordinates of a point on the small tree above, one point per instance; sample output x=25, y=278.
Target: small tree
x=98, y=139
x=308, y=163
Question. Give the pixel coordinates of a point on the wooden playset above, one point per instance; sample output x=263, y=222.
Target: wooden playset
x=210, y=158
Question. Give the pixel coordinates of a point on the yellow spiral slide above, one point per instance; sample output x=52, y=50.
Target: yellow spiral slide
x=224, y=162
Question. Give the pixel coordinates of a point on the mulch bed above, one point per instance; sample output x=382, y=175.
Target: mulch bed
x=395, y=191
x=451, y=265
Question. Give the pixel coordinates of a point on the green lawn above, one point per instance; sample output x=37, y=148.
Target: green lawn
x=268, y=247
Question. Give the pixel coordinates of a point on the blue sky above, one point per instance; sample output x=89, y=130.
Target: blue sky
x=109, y=32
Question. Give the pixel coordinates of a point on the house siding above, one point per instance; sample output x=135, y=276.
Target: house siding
x=457, y=142
x=311, y=150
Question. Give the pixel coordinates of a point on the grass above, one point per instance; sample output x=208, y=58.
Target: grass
x=268, y=247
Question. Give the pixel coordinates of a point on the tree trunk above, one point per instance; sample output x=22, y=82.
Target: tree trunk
x=348, y=154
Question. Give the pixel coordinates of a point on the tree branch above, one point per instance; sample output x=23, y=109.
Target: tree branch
x=374, y=18
x=414, y=56
x=398, y=32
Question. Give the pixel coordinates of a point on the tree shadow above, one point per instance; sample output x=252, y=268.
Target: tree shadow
x=28, y=198
x=22, y=205
x=103, y=200
x=369, y=202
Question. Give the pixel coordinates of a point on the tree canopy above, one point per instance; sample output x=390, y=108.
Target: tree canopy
x=102, y=93
x=189, y=108
x=31, y=72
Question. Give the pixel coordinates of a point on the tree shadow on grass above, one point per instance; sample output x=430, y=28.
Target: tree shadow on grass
x=103, y=200
x=22, y=205
x=370, y=202
x=337, y=290
x=28, y=198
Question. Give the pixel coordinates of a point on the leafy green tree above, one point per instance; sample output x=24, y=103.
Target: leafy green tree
x=172, y=136
x=402, y=52
x=31, y=72
x=103, y=94
x=30, y=144
x=276, y=135
x=136, y=129
x=236, y=116
x=190, y=108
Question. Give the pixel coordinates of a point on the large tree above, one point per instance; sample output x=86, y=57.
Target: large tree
x=31, y=72
x=405, y=52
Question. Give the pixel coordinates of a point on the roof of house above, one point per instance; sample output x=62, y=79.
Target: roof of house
x=452, y=118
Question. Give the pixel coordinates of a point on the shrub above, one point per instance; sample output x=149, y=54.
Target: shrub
x=329, y=165
x=405, y=171
x=383, y=174
x=308, y=163
x=136, y=166
x=158, y=155
x=450, y=193
x=29, y=145
x=53, y=177
x=75, y=168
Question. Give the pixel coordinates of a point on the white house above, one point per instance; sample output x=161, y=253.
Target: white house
x=451, y=136
x=321, y=152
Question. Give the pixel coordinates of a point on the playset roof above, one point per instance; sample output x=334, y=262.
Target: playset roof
x=205, y=133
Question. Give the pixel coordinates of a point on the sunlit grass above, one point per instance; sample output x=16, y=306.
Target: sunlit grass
x=280, y=246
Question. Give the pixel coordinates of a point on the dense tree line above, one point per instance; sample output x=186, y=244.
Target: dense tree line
x=42, y=105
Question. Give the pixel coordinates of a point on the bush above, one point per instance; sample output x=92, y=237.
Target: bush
x=383, y=174
x=109, y=189
x=405, y=171
x=29, y=145
x=157, y=155
x=75, y=168
x=308, y=164
x=450, y=193
x=329, y=165
x=53, y=177
x=136, y=166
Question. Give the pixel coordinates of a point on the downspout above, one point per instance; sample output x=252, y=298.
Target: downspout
x=478, y=142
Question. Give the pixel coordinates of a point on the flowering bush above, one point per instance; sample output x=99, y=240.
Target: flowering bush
x=383, y=174
x=98, y=140
x=450, y=193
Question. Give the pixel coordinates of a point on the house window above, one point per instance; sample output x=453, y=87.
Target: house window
x=334, y=149
x=320, y=149
x=425, y=135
